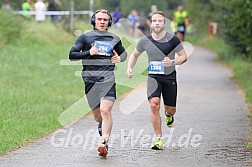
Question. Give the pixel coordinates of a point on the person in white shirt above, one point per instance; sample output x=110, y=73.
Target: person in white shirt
x=40, y=9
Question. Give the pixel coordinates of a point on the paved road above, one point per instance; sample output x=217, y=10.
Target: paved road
x=210, y=128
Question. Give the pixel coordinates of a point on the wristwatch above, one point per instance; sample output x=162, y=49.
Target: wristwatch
x=173, y=62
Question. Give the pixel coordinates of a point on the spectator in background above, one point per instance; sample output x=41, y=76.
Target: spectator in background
x=133, y=18
x=142, y=23
x=54, y=5
x=154, y=9
x=6, y=5
x=26, y=7
x=116, y=16
x=40, y=9
x=58, y=4
x=173, y=26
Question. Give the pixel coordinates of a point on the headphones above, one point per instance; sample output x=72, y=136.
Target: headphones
x=103, y=11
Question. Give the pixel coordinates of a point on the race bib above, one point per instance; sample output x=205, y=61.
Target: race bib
x=156, y=67
x=104, y=47
x=181, y=28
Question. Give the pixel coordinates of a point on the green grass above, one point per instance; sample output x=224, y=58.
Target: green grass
x=38, y=94
x=35, y=88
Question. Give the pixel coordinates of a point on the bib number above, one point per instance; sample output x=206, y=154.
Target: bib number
x=104, y=48
x=156, y=67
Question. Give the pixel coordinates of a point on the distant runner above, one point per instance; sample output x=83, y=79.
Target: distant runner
x=180, y=22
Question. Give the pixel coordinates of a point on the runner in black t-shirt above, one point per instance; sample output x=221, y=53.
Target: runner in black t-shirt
x=160, y=47
x=99, y=50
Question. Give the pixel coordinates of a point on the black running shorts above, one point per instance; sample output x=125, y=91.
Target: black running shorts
x=167, y=87
x=181, y=28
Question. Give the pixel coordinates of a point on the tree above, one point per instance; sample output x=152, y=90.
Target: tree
x=238, y=26
x=234, y=18
x=142, y=6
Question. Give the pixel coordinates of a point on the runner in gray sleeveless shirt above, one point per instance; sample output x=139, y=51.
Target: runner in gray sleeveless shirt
x=160, y=47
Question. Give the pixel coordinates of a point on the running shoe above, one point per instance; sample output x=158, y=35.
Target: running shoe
x=100, y=128
x=169, y=120
x=103, y=149
x=158, y=144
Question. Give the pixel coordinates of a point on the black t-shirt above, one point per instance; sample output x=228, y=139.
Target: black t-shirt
x=97, y=68
x=158, y=50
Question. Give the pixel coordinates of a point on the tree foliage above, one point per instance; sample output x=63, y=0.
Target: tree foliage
x=125, y=5
x=233, y=17
x=238, y=25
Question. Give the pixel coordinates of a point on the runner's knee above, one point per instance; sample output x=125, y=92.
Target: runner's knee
x=97, y=115
x=97, y=118
x=154, y=105
x=105, y=113
x=170, y=110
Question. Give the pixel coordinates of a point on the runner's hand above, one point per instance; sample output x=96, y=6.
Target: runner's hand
x=129, y=73
x=93, y=50
x=116, y=58
x=167, y=62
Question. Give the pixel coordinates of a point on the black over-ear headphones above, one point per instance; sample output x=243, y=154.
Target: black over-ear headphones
x=103, y=11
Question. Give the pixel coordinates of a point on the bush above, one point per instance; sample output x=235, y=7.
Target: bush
x=10, y=27
x=238, y=30
x=234, y=18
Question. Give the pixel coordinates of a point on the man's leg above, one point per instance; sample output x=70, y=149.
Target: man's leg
x=180, y=36
x=94, y=102
x=170, y=110
x=105, y=108
x=153, y=93
x=155, y=115
x=169, y=115
x=169, y=94
x=97, y=114
x=107, y=122
x=156, y=123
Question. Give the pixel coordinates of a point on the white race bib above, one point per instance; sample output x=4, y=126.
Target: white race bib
x=104, y=47
x=156, y=67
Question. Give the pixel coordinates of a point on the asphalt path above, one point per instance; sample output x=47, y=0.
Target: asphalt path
x=211, y=127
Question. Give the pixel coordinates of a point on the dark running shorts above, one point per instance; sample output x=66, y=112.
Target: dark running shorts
x=98, y=91
x=168, y=88
x=181, y=28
